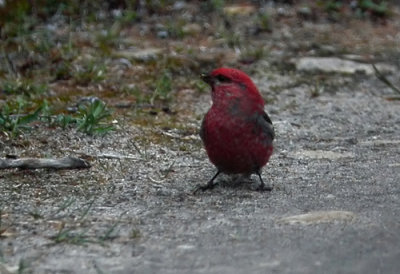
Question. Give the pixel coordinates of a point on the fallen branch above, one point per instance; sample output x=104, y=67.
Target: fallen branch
x=104, y=155
x=36, y=163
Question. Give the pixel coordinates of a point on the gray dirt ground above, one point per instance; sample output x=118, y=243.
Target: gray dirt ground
x=338, y=151
x=336, y=157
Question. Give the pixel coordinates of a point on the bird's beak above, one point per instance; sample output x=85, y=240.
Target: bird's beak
x=208, y=79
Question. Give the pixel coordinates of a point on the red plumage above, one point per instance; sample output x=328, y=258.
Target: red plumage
x=236, y=132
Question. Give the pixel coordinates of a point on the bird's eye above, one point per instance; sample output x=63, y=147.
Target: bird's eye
x=223, y=79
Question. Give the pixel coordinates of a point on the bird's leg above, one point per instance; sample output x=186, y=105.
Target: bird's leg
x=209, y=185
x=262, y=186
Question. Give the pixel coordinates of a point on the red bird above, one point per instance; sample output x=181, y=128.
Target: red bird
x=236, y=131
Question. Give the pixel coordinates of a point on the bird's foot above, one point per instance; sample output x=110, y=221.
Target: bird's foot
x=203, y=188
x=209, y=185
x=264, y=187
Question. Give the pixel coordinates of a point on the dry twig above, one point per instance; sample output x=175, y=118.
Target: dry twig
x=36, y=163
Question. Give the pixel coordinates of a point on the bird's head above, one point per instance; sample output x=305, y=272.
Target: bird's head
x=229, y=82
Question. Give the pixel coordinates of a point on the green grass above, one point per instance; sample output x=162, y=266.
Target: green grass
x=75, y=233
x=377, y=8
x=79, y=230
x=14, y=124
x=163, y=88
x=71, y=236
x=361, y=8
x=264, y=21
x=175, y=29
x=88, y=73
x=90, y=119
x=23, y=86
x=252, y=54
x=213, y=5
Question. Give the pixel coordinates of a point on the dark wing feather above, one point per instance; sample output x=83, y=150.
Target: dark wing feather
x=264, y=124
x=203, y=130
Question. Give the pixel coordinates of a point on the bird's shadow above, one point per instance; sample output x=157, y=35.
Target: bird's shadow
x=244, y=182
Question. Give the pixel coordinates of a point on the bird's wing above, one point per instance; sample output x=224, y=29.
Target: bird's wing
x=265, y=127
x=203, y=130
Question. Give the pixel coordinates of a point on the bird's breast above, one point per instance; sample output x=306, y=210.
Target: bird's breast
x=231, y=142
